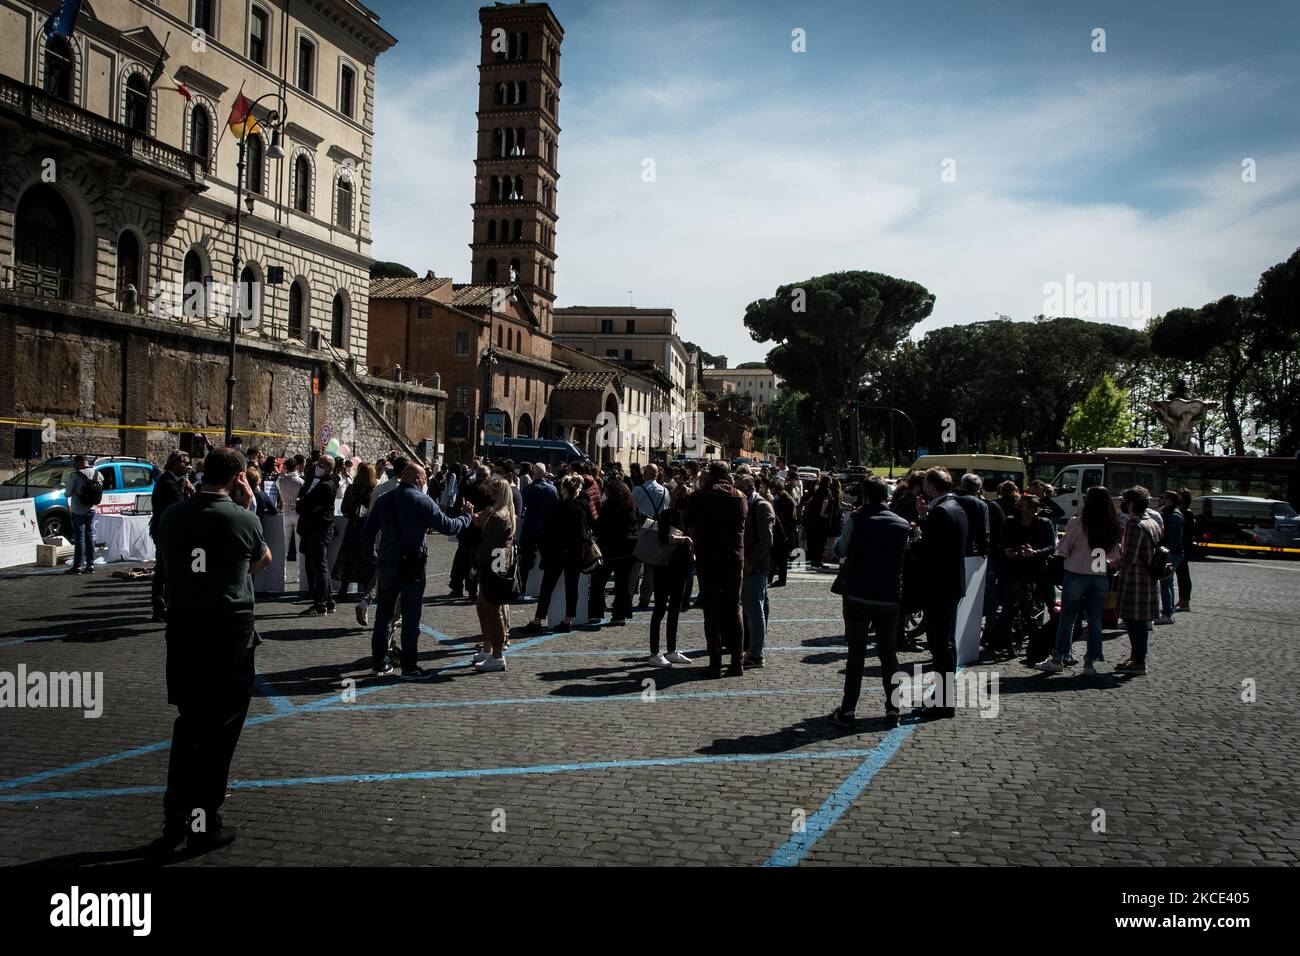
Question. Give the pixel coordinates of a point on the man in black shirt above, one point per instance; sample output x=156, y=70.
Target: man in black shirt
x=172, y=488
x=316, y=529
x=944, y=532
x=212, y=547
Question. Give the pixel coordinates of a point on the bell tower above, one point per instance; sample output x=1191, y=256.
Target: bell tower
x=518, y=139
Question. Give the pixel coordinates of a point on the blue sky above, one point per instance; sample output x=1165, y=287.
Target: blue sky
x=772, y=166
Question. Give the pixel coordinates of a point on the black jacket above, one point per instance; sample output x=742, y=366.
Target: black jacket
x=316, y=507
x=942, y=562
x=167, y=492
x=565, y=531
x=977, y=522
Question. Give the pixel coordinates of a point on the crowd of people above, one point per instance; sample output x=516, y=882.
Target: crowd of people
x=661, y=539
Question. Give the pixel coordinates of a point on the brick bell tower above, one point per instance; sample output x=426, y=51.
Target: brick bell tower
x=518, y=134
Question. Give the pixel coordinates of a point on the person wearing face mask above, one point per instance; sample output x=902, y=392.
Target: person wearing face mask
x=172, y=488
x=402, y=519
x=212, y=546
x=760, y=523
x=316, y=529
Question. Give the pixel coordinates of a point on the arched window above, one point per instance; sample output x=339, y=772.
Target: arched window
x=338, y=321
x=498, y=143
x=509, y=143
x=514, y=270
x=302, y=184
x=195, y=292
x=523, y=46
x=523, y=92
x=499, y=94
x=255, y=161
x=128, y=272
x=491, y=270
x=526, y=423
x=44, y=242
x=494, y=188
x=200, y=134
x=136, y=113
x=521, y=142
x=297, y=310
x=250, y=292
x=492, y=230
x=519, y=187
x=58, y=67
x=519, y=229
x=499, y=334
x=343, y=203
x=505, y=230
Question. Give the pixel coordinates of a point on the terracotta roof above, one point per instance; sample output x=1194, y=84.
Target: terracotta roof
x=475, y=296
x=400, y=288
x=586, y=381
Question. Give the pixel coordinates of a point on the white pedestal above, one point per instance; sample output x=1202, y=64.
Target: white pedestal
x=970, y=612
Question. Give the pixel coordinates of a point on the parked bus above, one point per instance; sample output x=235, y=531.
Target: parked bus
x=1163, y=469
x=994, y=469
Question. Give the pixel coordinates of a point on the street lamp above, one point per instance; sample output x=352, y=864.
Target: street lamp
x=274, y=122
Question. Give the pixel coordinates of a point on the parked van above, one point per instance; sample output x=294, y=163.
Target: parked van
x=994, y=469
x=550, y=452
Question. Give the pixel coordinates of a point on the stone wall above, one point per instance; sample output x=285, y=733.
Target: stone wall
x=130, y=385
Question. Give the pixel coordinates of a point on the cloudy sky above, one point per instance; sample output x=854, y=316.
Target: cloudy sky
x=982, y=149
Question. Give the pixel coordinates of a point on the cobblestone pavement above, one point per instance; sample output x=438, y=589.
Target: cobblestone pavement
x=563, y=759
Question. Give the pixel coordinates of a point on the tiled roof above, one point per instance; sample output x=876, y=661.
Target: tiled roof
x=586, y=381
x=474, y=296
x=400, y=288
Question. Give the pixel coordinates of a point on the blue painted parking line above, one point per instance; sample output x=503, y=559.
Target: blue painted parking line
x=281, y=704
x=543, y=769
x=33, y=640
x=793, y=851
x=251, y=722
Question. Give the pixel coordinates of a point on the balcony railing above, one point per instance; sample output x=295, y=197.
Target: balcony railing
x=41, y=107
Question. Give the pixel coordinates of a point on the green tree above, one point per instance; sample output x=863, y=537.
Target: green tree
x=707, y=359
x=391, y=270
x=829, y=330
x=1102, y=420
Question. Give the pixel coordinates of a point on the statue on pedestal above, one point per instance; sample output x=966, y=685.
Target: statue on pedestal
x=1180, y=416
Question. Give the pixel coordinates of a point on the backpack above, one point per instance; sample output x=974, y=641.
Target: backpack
x=90, y=493
x=1161, y=566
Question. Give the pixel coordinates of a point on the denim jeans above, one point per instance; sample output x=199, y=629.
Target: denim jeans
x=1167, y=586
x=858, y=617
x=753, y=600
x=83, y=538
x=412, y=597
x=1086, y=592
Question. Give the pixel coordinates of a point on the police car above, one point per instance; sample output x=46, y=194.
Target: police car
x=124, y=479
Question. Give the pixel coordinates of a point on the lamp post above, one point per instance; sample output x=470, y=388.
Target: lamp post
x=274, y=122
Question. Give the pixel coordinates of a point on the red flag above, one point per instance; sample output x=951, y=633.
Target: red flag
x=241, y=120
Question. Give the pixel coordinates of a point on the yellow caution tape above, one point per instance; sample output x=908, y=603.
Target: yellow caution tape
x=147, y=428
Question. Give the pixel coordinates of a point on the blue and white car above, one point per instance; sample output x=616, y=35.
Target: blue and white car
x=124, y=479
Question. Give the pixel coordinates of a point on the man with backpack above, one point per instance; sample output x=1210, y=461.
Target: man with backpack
x=84, y=491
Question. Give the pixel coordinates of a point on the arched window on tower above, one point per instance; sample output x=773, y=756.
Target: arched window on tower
x=499, y=94
x=523, y=93
x=514, y=270
x=523, y=46
x=519, y=187
x=491, y=270
x=492, y=230
x=509, y=149
x=520, y=142
x=505, y=230
x=519, y=229
x=494, y=188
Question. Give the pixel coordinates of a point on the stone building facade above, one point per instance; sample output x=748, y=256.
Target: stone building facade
x=117, y=222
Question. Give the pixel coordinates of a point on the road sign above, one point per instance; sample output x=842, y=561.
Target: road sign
x=325, y=433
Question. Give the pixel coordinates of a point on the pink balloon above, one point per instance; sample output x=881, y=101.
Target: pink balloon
x=345, y=451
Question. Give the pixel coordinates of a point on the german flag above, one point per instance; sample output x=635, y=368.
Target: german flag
x=241, y=120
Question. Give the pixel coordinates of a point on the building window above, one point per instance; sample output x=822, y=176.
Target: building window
x=347, y=89
x=631, y=326
x=259, y=26
x=627, y=354
x=492, y=231
x=203, y=16
x=606, y=325
x=195, y=286
x=200, y=134
x=491, y=270
x=462, y=396
x=58, y=67
x=528, y=393
x=343, y=204
x=306, y=65
x=302, y=184
x=137, y=103
x=424, y=311
x=296, y=311
x=338, y=321
x=128, y=272
x=462, y=343
x=249, y=291
x=611, y=353
x=505, y=385
x=500, y=332
x=255, y=160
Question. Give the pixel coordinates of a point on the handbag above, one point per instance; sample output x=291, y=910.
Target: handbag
x=592, y=558
x=1161, y=566
x=649, y=550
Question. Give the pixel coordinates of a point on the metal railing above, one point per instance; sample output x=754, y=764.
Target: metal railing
x=37, y=105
